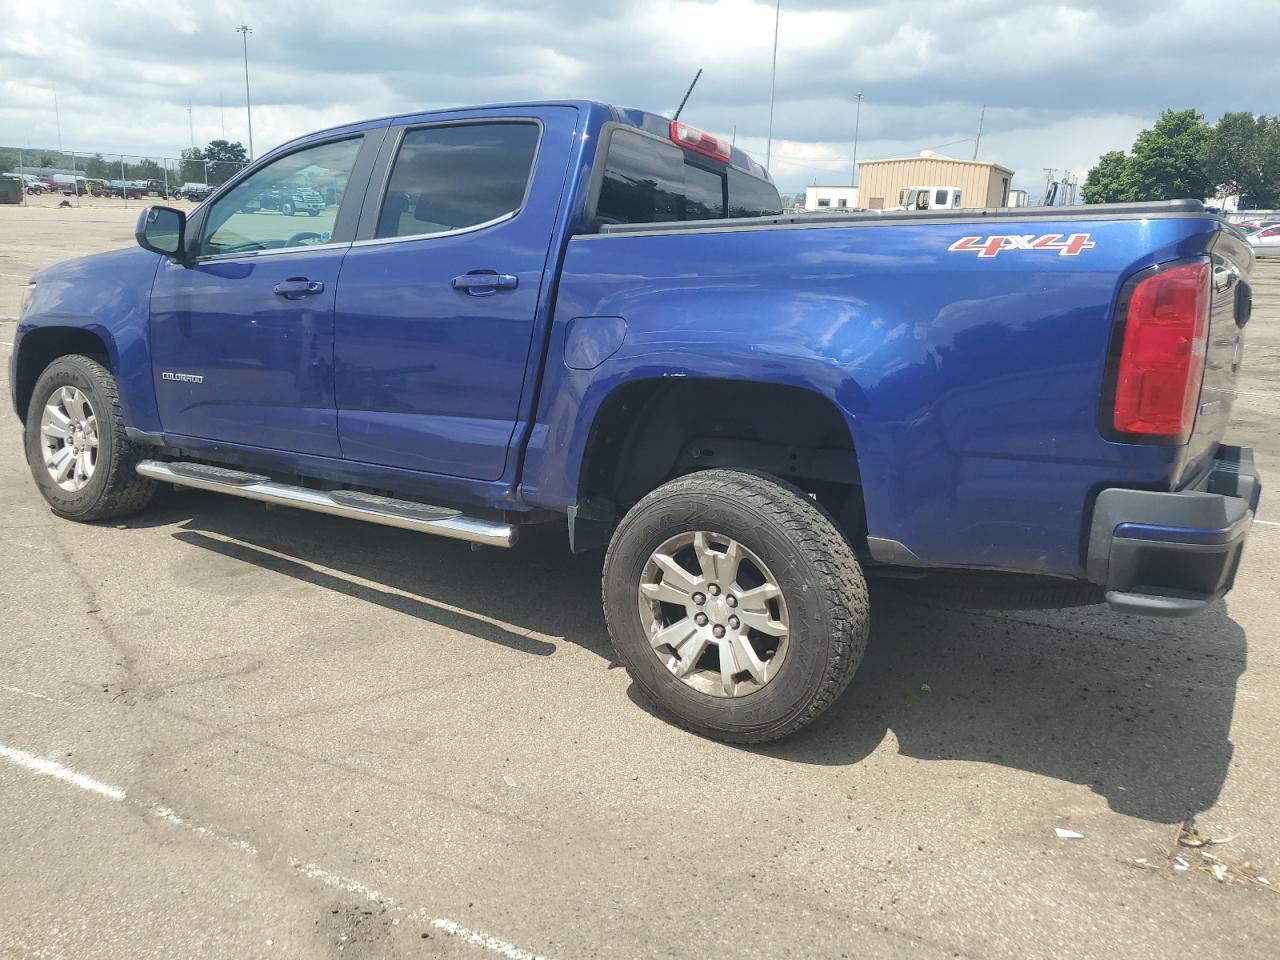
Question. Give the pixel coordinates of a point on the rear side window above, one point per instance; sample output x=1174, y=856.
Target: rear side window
x=452, y=177
x=752, y=197
x=649, y=181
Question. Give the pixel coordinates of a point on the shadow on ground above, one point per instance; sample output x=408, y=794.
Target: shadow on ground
x=1138, y=709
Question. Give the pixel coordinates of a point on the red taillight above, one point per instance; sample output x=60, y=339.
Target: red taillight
x=1162, y=360
x=699, y=141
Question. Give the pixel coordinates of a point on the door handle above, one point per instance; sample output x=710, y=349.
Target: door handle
x=295, y=288
x=484, y=284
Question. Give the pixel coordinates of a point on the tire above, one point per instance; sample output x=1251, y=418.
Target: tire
x=113, y=488
x=286, y=208
x=823, y=602
x=313, y=213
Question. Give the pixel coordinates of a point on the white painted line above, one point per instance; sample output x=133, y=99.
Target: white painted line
x=500, y=947
x=29, y=693
x=51, y=768
x=14, y=276
x=478, y=938
x=1267, y=523
x=6, y=343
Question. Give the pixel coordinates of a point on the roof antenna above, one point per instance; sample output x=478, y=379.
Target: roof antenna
x=686, y=95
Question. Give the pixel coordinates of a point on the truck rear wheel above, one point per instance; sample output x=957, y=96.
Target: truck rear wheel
x=76, y=446
x=736, y=604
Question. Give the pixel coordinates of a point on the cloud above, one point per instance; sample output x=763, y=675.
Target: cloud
x=1062, y=81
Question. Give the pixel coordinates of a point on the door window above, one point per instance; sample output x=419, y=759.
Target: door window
x=291, y=202
x=448, y=178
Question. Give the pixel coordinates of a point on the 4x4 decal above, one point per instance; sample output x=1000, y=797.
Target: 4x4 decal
x=986, y=247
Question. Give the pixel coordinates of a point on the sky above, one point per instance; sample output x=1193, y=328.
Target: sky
x=1062, y=82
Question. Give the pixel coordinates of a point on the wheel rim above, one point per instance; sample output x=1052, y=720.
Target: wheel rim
x=69, y=438
x=714, y=614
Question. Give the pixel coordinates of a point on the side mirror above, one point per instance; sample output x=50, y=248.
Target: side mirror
x=162, y=230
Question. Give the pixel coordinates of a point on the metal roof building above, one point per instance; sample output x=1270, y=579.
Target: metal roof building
x=884, y=183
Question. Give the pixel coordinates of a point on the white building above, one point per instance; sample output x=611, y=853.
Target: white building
x=830, y=198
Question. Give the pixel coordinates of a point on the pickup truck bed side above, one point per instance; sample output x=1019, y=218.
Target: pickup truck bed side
x=970, y=387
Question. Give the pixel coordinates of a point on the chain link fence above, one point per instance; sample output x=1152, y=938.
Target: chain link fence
x=76, y=176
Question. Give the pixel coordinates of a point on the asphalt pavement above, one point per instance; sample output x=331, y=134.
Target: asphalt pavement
x=228, y=731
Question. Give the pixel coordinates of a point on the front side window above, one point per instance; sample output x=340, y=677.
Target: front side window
x=452, y=177
x=291, y=202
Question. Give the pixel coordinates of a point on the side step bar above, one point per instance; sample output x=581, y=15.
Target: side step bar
x=405, y=514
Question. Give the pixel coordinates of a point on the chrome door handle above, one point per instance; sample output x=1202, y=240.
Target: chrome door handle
x=484, y=284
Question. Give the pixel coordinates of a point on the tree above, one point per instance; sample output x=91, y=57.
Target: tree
x=1168, y=161
x=1111, y=181
x=99, y=169
x=225, y=159
x=1243, y=158
x=47, y=160
x=191, y=170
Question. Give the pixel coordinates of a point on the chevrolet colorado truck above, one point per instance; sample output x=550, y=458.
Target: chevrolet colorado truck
x=565, y=310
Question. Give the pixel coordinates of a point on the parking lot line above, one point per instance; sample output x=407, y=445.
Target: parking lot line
x=478, y=938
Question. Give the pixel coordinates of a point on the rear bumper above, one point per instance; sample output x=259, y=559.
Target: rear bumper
x=1172, y=554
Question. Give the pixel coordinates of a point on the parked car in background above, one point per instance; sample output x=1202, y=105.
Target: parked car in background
x=599, y=316
x=291, y=201
x=1266, y=242
x=194, y=191
x=33, y=185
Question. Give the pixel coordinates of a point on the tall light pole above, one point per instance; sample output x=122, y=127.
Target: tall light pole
x=773, y=82
x=57, y=119
x=244, y=30
x=857, y=124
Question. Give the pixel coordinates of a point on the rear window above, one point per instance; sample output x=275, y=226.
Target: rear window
x=649, y=181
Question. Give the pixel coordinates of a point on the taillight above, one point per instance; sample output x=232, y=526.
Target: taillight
x=699, y=141
x=1161, y=362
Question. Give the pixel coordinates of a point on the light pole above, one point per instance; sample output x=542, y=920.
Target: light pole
x=857, y=124
x=773, y=82
x=244, y=30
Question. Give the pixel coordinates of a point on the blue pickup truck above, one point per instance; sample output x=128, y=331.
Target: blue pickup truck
x=568, y=311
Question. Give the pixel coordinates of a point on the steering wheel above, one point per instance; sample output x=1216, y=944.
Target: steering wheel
x=298, y=238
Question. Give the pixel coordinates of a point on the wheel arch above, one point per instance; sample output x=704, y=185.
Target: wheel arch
x=42, y=345
x=647, y=431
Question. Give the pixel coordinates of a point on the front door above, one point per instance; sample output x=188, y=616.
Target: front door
x=242, y=339
x=436, y=309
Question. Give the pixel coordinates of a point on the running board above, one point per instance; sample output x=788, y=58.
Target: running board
x=405, y=514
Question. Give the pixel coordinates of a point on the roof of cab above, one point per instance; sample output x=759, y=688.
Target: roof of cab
x=640, y=119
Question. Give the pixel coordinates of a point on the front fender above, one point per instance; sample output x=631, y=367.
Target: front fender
x=107, y=295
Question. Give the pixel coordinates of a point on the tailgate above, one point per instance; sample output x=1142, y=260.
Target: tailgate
x=1228, y=314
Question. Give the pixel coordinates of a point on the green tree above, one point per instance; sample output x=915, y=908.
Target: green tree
x=99, y=168
x=1111, y=181
x=191, y=170
x=225, y=159
x=1168, y=161
x=1243, y=158
x=8, y=161
x=48, y=160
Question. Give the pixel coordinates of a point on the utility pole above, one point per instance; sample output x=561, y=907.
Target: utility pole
x=244, y=30
x=857, y=124
x=191, y=126
x=57, y=119
x=773, y=82
x=978, y=140
x=222, y=114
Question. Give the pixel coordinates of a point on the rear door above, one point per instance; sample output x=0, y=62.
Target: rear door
x=436, y=307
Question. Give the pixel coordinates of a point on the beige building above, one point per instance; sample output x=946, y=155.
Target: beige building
x=884, y=183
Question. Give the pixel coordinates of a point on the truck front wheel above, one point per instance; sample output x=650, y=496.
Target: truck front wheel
x=736, y=604
x=80, y=457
